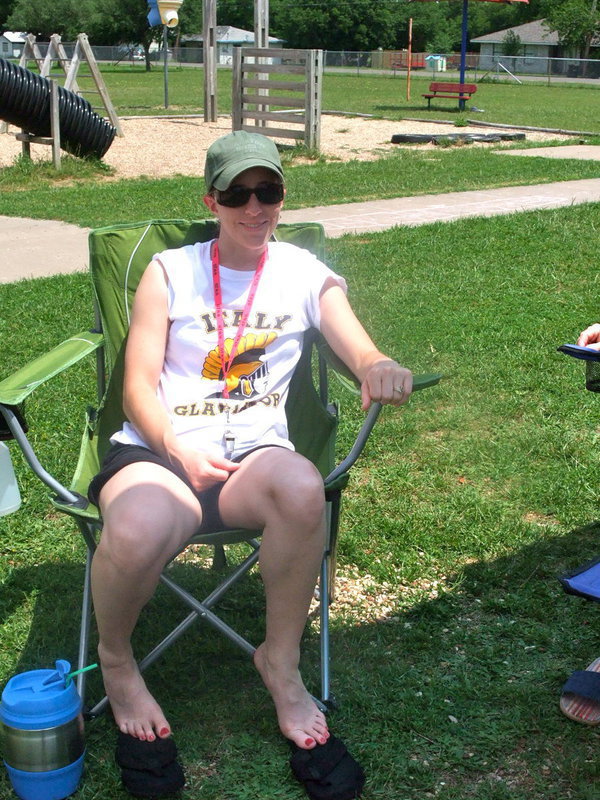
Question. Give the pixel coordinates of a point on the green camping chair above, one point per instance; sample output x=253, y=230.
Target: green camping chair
x=118, y=257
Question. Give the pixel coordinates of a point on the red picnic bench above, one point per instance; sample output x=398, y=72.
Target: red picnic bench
x=454, y=91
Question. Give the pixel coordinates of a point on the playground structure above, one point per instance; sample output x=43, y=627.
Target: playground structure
x=62, y=118
x=258, y=70
x=56, y=115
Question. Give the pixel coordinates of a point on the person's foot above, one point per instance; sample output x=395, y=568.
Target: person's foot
x=299, y=717
x=135, y=711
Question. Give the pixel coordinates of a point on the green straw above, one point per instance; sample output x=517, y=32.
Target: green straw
x=77, y=671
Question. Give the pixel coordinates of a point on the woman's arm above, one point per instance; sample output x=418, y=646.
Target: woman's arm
x=144, y=360
x=382, y=379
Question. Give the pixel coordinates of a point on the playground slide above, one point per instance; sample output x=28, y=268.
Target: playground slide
x=25, y=102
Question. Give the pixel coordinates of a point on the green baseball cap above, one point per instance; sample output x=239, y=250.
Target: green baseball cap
x=236, y=152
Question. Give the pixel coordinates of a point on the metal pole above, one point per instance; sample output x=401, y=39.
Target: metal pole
x=166, y=62
x=209, y=36
x=463, y=48
x=261, y=40
x=409, y=56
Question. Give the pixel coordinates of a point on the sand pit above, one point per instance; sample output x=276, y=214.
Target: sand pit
x=162, y=147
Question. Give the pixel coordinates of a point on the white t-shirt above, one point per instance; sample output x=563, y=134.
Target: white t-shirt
x=286, y=304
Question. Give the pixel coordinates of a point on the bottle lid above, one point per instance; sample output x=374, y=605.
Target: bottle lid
x=40, y=698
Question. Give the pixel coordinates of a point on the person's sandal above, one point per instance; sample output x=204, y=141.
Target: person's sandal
x=580, y=696
x=328, y=771
x=149, y=769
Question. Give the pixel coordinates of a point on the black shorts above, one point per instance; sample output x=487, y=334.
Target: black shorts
x=121, y=455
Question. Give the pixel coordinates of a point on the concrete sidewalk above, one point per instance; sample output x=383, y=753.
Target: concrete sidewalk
x=36, y=248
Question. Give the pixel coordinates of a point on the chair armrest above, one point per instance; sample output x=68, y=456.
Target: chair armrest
x=357, y=447
x=351, y=382
x=16, y=387
x=419, y=382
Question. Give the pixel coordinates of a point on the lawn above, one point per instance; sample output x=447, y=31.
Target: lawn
x=452, y=636
x=567, y=106
x=78, y=199
x=78, y=196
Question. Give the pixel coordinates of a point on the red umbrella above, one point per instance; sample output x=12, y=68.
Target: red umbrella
x=465, y=23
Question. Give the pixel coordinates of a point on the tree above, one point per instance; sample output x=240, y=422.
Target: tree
x=577, y=22
x=45, y=17
x=125, y=22
x=107, y=22
x=335, y=24
x=6, y=7
x=238, y=13
x=434, y=29
x=511, y=44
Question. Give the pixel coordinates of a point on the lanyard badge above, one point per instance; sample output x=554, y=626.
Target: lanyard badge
x=227, y=361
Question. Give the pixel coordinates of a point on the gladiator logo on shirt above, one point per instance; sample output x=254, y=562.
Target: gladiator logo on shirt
x=248, y=374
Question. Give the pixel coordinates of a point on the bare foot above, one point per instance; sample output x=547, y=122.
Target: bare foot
x=299, y=718
x=135, y=711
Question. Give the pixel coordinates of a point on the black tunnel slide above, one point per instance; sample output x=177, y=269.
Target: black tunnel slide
x=25, y=102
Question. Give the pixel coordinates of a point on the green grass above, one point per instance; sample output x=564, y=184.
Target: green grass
x=76, y=195
x=404, y=173
x=567, y=106
x=133, y=91
x=465, y=507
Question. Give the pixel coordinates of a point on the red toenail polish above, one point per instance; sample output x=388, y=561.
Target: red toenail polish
x=164, y=732
x=308, y=742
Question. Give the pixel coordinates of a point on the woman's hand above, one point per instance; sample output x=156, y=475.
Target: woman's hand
x=386, y=382
x=590, y=337
x=203, y=469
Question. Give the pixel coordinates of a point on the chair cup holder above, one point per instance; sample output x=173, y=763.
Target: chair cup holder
x=592, y=376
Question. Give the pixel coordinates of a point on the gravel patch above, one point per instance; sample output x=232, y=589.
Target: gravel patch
x=159, y=147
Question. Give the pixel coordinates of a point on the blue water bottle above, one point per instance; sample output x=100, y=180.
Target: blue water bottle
x=42, y=731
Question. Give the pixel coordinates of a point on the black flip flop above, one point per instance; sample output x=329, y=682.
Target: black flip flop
x=149, y=769
x=328, y=771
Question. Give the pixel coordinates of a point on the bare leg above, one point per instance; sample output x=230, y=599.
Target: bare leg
x=148, y=513
x=282, y=492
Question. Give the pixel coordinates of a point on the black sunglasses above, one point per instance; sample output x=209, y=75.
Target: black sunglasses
x=237, y=196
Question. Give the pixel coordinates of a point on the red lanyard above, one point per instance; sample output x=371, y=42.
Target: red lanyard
x=227, y=362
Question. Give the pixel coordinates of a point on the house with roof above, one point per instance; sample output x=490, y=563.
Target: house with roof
x=227, y=37
x=541, y=51
x=11, y=44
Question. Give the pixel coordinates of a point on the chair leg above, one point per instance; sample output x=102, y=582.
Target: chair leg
x=84, y=631
x=333, y=521
x=86, y=615
x=324, y=621
x=326, y=594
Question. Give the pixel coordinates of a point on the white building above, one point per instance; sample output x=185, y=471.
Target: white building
x=227, y=37
x=539, y=44
x=11, y=44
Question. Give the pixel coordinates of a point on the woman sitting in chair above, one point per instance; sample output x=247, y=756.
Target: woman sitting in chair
x=216, y=332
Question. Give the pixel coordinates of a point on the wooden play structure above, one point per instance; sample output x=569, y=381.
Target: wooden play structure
x=259, y=71
x=33, y=129
x=70, y=68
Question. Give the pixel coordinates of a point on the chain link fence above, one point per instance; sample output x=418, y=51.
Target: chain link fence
x=394, y=62
x=479, y=66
